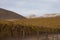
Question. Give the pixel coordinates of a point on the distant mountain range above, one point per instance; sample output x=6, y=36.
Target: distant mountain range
x=6, y=14
x=9, y=15
x=51, y=15
x=45, y=15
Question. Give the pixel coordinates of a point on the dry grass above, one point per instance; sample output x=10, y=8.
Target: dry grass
x=29, y=26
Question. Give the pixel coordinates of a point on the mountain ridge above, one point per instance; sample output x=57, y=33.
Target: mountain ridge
x=7, y=14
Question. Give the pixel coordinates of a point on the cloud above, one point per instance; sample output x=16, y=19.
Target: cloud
x=50, y=0
x=3, y=1
x=26, y=7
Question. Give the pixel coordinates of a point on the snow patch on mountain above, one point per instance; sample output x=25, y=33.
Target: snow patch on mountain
x=51, y=15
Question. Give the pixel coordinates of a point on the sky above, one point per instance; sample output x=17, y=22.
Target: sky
x=28, y=7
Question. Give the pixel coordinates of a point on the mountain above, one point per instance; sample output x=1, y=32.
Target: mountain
x=6, y=14
x=51, y=15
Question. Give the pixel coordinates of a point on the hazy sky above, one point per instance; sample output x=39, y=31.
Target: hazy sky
x=27, y=7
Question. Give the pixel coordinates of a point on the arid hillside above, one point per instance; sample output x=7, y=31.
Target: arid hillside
x=6, y=14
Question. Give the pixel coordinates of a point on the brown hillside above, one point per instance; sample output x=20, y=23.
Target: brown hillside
x=6, y=14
